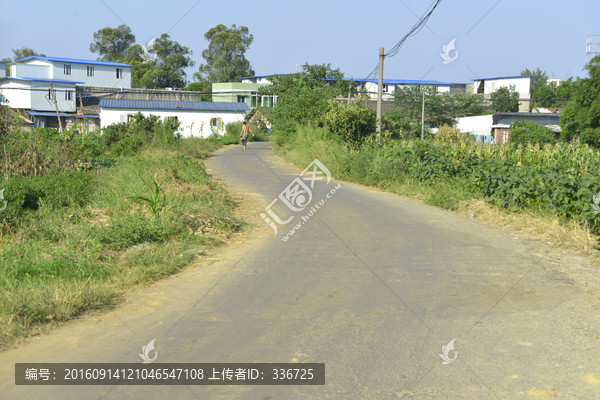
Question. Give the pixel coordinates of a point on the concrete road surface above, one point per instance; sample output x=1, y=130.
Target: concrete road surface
x=371, y=284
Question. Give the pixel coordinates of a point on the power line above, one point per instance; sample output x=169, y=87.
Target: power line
x=416, y=28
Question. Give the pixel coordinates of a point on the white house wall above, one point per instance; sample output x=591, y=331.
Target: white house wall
x=41, y=100
x=192, y=123
x=104, y=75
x=18, y=94
x=521, y=85
x=31, y=71
x=476, y=125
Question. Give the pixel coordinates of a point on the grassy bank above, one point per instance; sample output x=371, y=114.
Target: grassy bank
x=100, y=218
x=555, y=183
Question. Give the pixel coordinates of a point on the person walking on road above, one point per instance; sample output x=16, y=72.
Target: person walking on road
x=244, y=135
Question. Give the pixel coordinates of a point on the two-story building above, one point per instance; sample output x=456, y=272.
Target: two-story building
x=45, y=88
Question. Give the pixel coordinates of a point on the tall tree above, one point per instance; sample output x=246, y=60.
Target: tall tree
x=225, y=55
x=112, y=43
x=539, y=79
x=168, y=69
x=24, y=52
x=302, y=98
x=505, y=100
x=581, y=116
x=440, y=107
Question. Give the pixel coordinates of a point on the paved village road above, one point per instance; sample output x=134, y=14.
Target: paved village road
x=371, y=284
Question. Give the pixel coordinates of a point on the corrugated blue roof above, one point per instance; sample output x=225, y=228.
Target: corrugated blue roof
x=503, y=77
x=409, y=82
x=53, y=114
x=267, y=76
x=75, y=61
x=174, y=105
x=18, y=78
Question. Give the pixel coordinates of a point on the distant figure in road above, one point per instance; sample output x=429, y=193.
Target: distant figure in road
x=244, y=135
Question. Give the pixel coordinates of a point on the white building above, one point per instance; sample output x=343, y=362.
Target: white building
x=37, y=94
x=43, y=87
x=487, y=86
x=197, y=118
x=87, y=72
x=391, y=86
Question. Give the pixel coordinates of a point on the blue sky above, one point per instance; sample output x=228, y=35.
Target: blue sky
x=493, y=37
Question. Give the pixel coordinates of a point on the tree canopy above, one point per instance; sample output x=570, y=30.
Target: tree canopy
x=304, y=97
x=505, y=100
x=581, y=115
x=225, y=56
x=112, y=43
x=24, y=52
x=440, y=108
x=166, y=69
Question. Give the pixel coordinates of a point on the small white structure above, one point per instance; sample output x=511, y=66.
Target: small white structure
x=86, y=72
x=391, y=86
x=487, y=86
x=476, y=125
x=38, y=94
x=197, y=118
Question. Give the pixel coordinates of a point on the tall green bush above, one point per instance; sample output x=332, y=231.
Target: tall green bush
x=528, y=132
x=353, y=123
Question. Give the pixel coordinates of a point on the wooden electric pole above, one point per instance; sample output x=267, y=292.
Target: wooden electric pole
x=380, y=94
x=423, y=116
x=350, y=90
x=60, y=128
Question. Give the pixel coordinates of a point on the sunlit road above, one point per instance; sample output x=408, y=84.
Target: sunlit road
x=370, y=284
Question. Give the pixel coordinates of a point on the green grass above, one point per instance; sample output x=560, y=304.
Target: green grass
x=558, y=180
x=78, y=252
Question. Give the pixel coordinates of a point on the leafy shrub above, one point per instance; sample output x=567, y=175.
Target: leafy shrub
x=591, y=137
x=401, y=125
x=528, y=132
x=450, y=134
x=128, y=138
x=353, y=123
x=133, y=229
x=505, y=99
x=72, y=188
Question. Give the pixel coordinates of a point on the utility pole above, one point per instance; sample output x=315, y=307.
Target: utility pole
x=60, y=128
x=423, y=116
x=350, y=90
x=380, y=94
x=83, y=113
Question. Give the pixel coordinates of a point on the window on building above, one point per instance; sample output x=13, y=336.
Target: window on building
x=385, y=88
x=50, y=94
x=90, y=70
x=68, y=95
x=67, y=69
x=216, y=124
x=241, y=99
x=119, y=73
